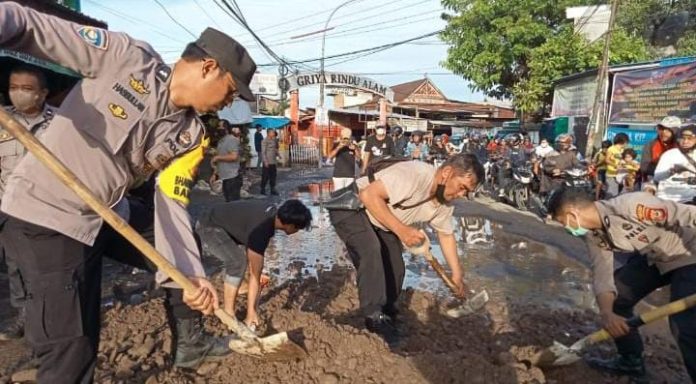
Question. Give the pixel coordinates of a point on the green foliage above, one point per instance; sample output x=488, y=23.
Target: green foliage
x=491, y=40
x=517, y=48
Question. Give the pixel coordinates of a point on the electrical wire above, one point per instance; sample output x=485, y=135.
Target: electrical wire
x=295, y=30
x=397, y=21
x=206, y=13
x=173, y=19
x=371, y=50
x=134, y=20
x=303, y=18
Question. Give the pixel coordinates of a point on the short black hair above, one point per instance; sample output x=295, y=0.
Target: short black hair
x=193, y=52
x=621, y=138
x=606, y=144
x=466, y=163
x=563, y=196
x=628, y=151
x=32, y=70
x=294, y=212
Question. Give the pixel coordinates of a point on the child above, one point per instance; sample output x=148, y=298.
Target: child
x=627, y=170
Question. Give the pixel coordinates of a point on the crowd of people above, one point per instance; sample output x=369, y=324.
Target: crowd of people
x=130, y=131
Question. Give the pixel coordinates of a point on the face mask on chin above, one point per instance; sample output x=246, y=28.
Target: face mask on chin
x=577, y=232
x=440, y=194
x=25, y=100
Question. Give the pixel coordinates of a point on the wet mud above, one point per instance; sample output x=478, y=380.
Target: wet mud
x=538, y=295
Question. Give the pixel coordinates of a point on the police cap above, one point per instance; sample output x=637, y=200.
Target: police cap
x=231, y=56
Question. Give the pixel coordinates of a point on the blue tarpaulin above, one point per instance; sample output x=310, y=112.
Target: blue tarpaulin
x=270, y=122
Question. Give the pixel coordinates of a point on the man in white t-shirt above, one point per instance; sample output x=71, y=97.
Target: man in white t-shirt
x=675, y=173
x=397, y=199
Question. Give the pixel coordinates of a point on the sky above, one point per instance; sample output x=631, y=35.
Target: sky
x=357, y=25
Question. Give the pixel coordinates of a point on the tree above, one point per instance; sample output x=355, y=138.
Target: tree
x=566, y=53
x=517, y=48
x=491, y=40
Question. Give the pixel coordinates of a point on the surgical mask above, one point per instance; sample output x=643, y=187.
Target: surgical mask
x=577, y=232
x=24, y=100
x=381, y=131
x=544, y=145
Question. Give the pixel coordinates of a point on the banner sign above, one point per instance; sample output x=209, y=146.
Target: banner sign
x=637, y=137
x=574, y=98
x=647, y=96
x=333, y=79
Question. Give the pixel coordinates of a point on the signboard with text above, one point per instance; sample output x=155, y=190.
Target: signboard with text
x=574, y=98
x=333, y=79
x=647, y=96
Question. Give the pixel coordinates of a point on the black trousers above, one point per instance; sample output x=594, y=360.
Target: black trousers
x=17, y=290
x=63, y=282
x=637, y=279
x=232, y=188
x=269, y=174
x=376, y=255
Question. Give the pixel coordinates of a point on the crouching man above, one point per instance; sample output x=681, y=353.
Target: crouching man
x=660, y=235
x=396, y=199
x=227, y=227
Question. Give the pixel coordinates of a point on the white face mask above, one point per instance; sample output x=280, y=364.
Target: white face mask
x=381, y=131
x=25, y=100
x=544, y=145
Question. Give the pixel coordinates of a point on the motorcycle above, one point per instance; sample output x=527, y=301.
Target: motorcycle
x=521, y=190
x=578, y=178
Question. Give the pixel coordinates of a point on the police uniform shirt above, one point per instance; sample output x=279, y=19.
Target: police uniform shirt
x=11, y=150
x=663, y=231
x=114, y=129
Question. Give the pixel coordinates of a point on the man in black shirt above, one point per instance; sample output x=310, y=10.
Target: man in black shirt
x=345, y=152
x=378, y=145
x=225, y=227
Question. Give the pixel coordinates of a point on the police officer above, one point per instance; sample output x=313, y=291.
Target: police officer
x=130, y=116
x=660, y=236
x=27, y=91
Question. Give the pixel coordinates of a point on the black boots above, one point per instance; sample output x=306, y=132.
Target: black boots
x=193, y=345
x=629, y=364
x=14, y=330
x=382, y=325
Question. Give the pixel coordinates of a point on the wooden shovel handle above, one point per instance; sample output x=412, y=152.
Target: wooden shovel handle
x=440, y=270
x=650, y=316
x=121, y=226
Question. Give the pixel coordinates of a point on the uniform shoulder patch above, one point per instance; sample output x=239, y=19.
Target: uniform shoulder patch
x=650, y=214
x=95, y=37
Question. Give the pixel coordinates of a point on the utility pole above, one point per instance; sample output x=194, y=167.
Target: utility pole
x=598, y=118
x=323, y=75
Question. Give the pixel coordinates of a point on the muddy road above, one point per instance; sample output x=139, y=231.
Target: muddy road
x=536, y=276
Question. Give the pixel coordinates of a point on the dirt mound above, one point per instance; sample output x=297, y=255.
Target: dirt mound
x=491, y=347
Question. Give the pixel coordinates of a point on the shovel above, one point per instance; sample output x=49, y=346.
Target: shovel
x=469, y=306
x=559, y=354
x=277, y=347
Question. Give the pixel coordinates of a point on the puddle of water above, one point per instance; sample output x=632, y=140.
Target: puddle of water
x=509, y=267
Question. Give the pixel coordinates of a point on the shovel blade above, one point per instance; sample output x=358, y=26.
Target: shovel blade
x=275, y=347
x=471, y=306
x=557, y=355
